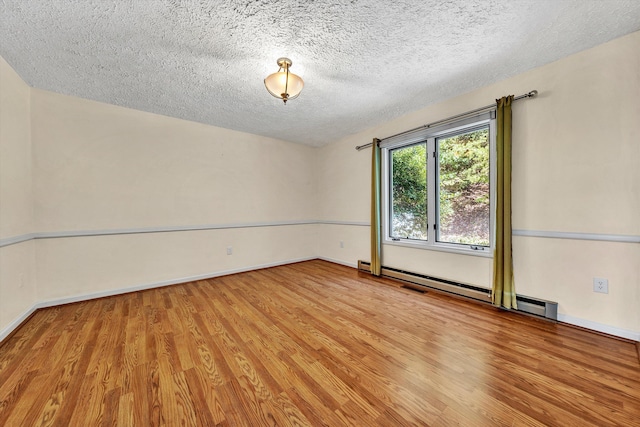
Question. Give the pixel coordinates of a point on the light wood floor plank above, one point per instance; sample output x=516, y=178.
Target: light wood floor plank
x=309, y=344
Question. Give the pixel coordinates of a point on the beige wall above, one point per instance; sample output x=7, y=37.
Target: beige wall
x=576, y=161
x=15, y=161
x=17, y=285
x=99, y=167
x=80, y=266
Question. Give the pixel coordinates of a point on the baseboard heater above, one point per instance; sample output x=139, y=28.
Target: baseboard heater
x=538, y=307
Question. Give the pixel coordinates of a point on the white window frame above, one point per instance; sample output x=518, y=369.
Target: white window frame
x=429, y=135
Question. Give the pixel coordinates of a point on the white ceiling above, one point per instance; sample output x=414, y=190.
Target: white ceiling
x=363, y=62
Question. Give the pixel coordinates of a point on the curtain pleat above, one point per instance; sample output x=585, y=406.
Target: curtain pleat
x=504, y=293
x=376, y=246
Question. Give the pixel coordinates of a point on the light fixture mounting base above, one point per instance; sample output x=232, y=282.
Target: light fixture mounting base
x=284, y=62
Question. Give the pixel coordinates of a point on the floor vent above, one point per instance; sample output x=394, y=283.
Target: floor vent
x=420, y=282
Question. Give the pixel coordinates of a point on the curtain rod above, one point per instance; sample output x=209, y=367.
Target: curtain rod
x=531, y=94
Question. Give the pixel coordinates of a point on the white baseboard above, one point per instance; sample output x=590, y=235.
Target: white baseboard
x=337, y=261
x=17, y=322
x=94, y=295
x=600, y=327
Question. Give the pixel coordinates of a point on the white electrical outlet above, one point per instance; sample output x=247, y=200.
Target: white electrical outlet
x=341, y=244
x=229, y=250
x=600, y=285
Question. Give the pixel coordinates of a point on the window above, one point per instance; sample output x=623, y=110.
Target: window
x=439, y=187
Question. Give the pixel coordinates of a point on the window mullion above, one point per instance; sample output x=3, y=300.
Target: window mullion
x=431, y=190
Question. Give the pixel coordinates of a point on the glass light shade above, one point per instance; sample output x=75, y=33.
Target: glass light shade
x=276, y=83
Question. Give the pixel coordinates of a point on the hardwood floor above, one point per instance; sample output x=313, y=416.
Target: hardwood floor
x=312, y=343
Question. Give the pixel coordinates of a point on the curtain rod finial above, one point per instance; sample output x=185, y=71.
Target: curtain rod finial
x=532, y=94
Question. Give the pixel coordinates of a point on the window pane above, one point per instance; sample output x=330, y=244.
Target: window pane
x=409, y=192
x=463, y=188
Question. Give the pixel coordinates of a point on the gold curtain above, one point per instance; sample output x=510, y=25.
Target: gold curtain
x=376, y=246
x=504, y=292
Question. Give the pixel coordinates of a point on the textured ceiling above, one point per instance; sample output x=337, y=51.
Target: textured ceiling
x=363, y=62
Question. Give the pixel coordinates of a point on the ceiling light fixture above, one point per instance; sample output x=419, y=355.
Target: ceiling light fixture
x=283, y=84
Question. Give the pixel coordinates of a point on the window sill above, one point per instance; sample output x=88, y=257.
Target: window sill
x=487, y=253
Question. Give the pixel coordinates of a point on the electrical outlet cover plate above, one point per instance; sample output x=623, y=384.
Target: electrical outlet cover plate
x=600, y=285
